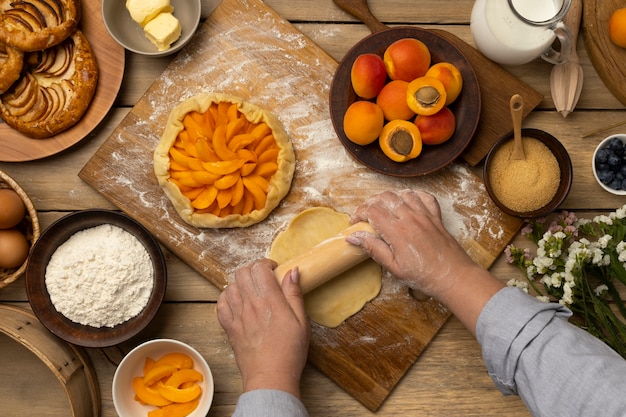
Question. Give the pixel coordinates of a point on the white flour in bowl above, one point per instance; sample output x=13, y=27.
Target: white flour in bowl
x=100, y=277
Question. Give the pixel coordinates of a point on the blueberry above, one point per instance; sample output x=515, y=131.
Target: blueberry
x=624, y=185
x=614, y=160
x=602, y=155
x=623, y=169
x=616, y=145
x=615, y=184
x=605, y=176
x=602, y=167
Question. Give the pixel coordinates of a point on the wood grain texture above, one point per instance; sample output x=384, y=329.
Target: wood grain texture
x=608, y=59
x=15, y=147
x=265, y=60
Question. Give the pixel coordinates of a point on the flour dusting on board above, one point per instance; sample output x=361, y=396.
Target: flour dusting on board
x=264, y=60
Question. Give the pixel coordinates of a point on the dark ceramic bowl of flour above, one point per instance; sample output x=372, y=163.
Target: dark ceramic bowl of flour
x=97, y=278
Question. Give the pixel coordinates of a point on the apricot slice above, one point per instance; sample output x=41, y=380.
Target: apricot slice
x=400, y=140
x=179, y=395
x=182, y=376
x=175, y=410
x=158, y=372
x=148, y=394
x=176, y=359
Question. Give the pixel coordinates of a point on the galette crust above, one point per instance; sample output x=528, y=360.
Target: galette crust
x=280, y=182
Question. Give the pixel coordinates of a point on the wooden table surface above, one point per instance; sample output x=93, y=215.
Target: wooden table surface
x=449, y=378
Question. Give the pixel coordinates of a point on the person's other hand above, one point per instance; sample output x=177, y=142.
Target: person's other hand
x=267, y=327
x=414, y=245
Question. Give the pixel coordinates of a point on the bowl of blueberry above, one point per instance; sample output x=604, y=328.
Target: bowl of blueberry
x=609, y=164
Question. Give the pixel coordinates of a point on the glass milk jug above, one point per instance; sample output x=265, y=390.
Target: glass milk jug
x=514, y=32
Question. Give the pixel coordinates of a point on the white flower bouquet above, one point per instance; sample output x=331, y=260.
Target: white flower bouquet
x=581, y=264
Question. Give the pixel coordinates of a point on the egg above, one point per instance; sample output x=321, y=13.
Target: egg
x=13, y=248
x=12, y=208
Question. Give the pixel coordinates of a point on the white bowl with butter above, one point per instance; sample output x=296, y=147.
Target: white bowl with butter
x=151, y=27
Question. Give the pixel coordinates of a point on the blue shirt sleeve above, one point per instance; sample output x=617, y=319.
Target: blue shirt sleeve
x=269, y=403
x=557, y=369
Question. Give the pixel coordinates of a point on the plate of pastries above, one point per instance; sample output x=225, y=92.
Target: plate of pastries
x=60, y=72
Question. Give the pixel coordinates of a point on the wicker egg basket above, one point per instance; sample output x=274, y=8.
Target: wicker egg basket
x=29, y=226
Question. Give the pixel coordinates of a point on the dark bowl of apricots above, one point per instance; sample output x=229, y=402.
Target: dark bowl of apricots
x=405, y=102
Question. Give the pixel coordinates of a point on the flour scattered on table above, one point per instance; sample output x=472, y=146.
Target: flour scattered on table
x=100, y=277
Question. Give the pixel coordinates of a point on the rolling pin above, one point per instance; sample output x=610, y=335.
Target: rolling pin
x=326, y=260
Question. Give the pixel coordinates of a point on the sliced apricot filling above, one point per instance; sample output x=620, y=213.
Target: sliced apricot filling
x=169, y=383
x=222, y=162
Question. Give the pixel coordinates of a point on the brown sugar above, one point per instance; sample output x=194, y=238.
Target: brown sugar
x=528, y=184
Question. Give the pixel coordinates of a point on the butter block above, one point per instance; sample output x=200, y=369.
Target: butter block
x=163, y=30
x=143, y=11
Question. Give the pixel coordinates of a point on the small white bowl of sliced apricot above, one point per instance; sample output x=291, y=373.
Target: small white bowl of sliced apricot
x=163, y=377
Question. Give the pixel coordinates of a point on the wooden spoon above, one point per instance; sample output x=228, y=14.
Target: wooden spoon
x=360, y=10
x=517, y=106
x=566, y=79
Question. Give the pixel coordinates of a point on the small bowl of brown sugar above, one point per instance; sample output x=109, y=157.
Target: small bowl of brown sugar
x=532, y=187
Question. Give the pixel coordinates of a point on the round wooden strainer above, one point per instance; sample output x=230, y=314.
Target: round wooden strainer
x=69, y=363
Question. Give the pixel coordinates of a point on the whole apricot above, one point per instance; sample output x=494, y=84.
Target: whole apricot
x=407, y=59
x=392, y=101
x=450, y=77
x=363, y=122
x=368, y=75
x=617, y=27
x=437, y=128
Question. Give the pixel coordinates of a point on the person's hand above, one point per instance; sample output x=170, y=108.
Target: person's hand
x=414, y=245
x=267, y=327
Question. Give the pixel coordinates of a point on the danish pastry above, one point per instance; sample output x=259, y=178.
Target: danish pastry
x=223, y=162
x=11, y=63
x=55, y=89
x=34, y=25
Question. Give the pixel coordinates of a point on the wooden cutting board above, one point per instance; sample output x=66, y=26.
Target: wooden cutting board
x=245, y=48
x=608, y=59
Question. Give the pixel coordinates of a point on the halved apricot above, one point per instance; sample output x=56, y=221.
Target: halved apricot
x=400, y=140
x=426, y=95
x=450, y=77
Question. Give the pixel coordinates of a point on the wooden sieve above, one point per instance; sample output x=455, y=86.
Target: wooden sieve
x=69, y=363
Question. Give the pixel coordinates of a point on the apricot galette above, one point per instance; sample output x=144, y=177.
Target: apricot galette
x=223, y=162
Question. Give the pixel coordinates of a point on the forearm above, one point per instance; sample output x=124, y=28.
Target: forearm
x=468, y=290
x=531, y=350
